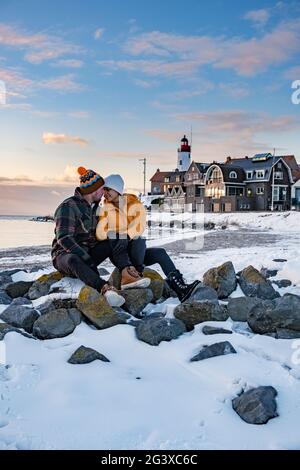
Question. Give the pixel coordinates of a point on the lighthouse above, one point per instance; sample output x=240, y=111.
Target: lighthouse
x=184, y=155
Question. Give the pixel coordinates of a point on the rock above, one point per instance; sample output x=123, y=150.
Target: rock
x=103, y=272
x=155, y=330
x=84, y=355
x=283, y=283
x=17, y=289
x=256, y=406
x=209, y=226
x=284, y=333
x=157, y=283
x=192, y=313
x=115, y=279
x=268, y=272
x=223, y=227
x=204, y=293
x=20, y=317
x=42, y=285
x=214, y=330
x=54, y=304
x=56, y=324
x=280, y=260
x=94, y=306
x=5, y=299
x=21, y=301
x=6, y=328
x=10, y=272
x=218, y=349
x=75, y=315
x=4, y=280
x=136, y=300
x=238, y=308
x=280, y=313
x=222, y=279
x=253, y=284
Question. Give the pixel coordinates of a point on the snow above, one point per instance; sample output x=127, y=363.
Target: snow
x=152, y=397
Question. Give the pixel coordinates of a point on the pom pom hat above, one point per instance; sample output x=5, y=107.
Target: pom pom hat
x=90, y=181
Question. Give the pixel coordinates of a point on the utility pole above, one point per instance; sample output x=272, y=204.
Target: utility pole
x=273, y=181
x=144, y=160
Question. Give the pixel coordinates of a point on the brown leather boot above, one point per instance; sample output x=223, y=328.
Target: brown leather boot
x=130, y=279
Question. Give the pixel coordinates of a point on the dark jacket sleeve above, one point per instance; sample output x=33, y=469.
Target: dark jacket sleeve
x=65, y=225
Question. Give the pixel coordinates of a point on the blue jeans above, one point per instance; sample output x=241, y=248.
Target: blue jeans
x=142, y=256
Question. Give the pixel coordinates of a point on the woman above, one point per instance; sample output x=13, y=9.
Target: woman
x=123, y=216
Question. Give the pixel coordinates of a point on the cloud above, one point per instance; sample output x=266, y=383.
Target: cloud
x=235, y=90
x=51, y=138
x=55, y=193
x=236, y=133
x=99, y=33
x=38, y=47
x=69, y=63
x=146, y=83
x=172, y=55
x=17, y=179
x=14, y=79
x=258, y=17
x=292, y=73
x=79, y=114
x=64, y=83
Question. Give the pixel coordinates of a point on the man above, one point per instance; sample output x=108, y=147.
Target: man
x=75, y=249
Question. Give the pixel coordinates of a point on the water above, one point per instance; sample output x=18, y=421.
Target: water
x=17, y=231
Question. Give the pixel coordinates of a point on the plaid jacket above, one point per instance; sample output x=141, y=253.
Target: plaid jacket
x=75, y=226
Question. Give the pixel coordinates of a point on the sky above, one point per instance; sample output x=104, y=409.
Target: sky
x=104, y=84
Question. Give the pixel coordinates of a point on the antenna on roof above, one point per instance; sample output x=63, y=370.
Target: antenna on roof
x=191, y=137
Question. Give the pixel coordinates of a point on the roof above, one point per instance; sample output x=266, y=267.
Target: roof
x=202, y=167
x=159, y=176
x=252, y=163
x=227, y=169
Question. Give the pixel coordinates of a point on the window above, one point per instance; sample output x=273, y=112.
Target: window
x=167, y=179
x=180, y=162
x=233, y=174
x=233, y=191
x=260, y=190
x=276, y=193
x=193, y=168
x=260, y=174
x=278, y=175
x=279, y=165
x=177, y=179
x=249, y=175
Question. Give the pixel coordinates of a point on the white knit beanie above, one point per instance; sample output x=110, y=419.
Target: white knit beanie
x=115, y=182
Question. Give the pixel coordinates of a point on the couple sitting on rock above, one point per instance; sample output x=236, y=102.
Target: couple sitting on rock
x=86, y=234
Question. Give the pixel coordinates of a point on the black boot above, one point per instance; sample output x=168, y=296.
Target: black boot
x=177, y=283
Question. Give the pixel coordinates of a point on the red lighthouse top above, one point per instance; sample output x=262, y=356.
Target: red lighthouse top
x=185, y=147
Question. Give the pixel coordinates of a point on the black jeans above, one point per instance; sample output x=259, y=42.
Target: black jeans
x=74, y=266
x=141, y=256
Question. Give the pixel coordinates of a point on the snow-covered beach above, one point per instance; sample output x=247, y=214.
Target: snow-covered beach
x=152, y=397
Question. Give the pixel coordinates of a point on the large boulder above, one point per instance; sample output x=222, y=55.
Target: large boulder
x=6, y=328
x=192, y=313
x=56, y=324
x=94, y=306
x=84, y=355
x=157, y=284
x=282, y=283
x=280, y=313
x=20, y=316
x=239, y=307
x=267, y=273
x=203, y=293
x=222, y=279
x=218, y=349
x=54, y=304
x=256, y=406
x=155, y=330
x=43, y=284
x=254, y=284
x=136, y=300
x=17, y=289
